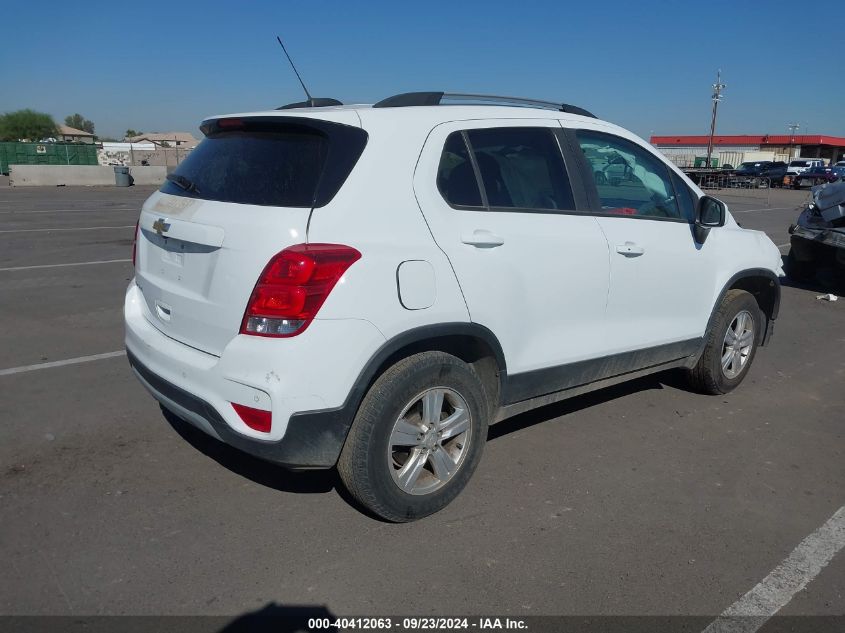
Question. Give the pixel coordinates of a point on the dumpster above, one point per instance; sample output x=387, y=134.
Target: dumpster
x=122, y=177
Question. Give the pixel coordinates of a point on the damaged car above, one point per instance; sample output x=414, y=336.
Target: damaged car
x=815, y=176
x=818, y=238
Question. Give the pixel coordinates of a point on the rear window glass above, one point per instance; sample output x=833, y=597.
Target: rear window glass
x=269, y=164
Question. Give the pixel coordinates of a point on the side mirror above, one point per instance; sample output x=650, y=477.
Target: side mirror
x=710, y=213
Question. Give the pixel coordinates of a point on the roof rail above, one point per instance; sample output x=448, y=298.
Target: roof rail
x=436, y=98
x=315, y=102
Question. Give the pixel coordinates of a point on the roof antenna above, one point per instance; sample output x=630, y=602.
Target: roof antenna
x=307, y=94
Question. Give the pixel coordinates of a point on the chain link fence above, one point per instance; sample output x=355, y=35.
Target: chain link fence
x=738, y=187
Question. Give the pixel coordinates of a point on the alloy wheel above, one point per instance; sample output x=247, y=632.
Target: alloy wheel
x=738, y=343
x=429, y=441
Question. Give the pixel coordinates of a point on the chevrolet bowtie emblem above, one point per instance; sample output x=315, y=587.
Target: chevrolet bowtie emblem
x=160, y=226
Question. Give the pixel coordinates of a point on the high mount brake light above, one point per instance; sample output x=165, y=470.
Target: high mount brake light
x=230, y=124
x=293, y=286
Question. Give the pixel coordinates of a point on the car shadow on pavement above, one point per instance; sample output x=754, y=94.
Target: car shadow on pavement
x=320, y=481
x=824, y=282
x=257, y=470
x=673, y=378
x=281, y=619
x=826, y=279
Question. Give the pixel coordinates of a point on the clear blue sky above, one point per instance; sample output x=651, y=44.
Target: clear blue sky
x=647, y=65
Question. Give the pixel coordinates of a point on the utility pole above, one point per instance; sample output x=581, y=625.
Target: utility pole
x=717, y=96
x=793, y=127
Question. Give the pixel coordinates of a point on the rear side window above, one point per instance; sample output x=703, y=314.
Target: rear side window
x=456, y=176
x=269, y=163
x=520, y=168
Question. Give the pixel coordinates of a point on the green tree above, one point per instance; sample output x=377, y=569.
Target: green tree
x=27, y=124
x=79, y=122
x=130, y=133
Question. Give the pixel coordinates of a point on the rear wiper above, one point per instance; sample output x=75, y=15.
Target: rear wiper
x=183, y=182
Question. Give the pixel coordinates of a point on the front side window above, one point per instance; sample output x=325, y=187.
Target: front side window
x=687, y=200
x=629, y=179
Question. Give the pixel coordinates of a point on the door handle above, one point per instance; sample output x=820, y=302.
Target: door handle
x=482, y=238
x=630, y=249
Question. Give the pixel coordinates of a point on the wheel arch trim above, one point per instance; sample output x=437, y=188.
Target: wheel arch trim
x=749, y=273
x=340, y=419
x=419, y=335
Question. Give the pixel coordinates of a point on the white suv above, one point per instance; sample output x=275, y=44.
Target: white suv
x=369, y=287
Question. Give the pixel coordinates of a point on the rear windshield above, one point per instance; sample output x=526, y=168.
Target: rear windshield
x=269, y=163
x=799, y=163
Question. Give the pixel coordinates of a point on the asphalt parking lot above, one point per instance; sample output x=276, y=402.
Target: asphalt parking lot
x=641, y=499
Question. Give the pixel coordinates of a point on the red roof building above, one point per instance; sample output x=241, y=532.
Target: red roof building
x=830, y=148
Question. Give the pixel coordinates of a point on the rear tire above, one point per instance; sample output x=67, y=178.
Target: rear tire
x=731, y=345
x=417, y=437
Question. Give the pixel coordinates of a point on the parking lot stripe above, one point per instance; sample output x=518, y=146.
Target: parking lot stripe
x=60, y=363
x=63, y=211
x=806, y=561
x=105, y=261
x=82, y=228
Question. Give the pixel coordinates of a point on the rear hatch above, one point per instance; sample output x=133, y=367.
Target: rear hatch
x=244, y=194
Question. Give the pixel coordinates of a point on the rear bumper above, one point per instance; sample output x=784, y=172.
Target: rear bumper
x=312, y=440
x=304, y=381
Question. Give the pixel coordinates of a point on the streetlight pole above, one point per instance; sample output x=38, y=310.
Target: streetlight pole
x=793, y=127
x=717, y=96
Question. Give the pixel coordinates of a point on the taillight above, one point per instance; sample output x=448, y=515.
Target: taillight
x=135, y=243
x=293, y=286
x=257, y=419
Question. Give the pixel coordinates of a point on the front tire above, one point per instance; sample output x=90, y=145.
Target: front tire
x=417, y=438
x=731, y=344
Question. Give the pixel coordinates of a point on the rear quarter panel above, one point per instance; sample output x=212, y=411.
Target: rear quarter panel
x=377, y=213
